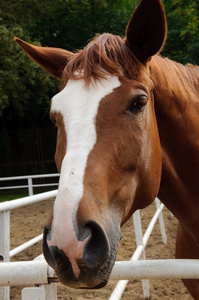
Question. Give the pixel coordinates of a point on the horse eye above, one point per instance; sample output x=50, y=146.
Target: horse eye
x=137, y=105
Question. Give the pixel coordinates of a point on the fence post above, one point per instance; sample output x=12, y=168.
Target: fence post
x=139, y=241
x=33, y=293
x=30, y=187
x=41, y=292
x=4, y=248
x=161, y=222
x=51, y=291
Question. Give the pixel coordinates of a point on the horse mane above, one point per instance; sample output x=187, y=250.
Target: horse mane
x=193, y=72
x=105, y=53
x=182, y=81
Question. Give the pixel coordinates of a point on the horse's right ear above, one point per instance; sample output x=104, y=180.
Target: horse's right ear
x=146, y=31
x=52, y=60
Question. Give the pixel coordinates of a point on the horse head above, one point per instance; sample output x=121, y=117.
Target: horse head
x=108, y=150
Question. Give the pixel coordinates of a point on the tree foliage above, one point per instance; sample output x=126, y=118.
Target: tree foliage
x=183, y=30
x=70, y=23
x=24, y=87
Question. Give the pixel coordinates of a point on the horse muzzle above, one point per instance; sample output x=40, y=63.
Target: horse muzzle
x=87, y=260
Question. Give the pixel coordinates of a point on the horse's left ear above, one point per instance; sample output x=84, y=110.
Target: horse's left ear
x=52, y=60
x=146, y=31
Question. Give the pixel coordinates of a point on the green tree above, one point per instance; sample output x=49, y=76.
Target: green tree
x=70, y=24
x=183, y=30
x=24, y=87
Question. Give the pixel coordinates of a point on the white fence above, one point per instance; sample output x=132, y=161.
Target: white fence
x=5, y=252
x=38, y=273
x=30, y=182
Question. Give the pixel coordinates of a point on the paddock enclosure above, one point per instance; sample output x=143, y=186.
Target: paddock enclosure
x=31, y=225
x=137, y=141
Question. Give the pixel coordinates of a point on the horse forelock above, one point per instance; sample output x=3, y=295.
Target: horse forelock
x=105, y=53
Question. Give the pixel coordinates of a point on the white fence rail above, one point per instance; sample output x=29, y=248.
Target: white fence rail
x=30, y=184
x=13, y=204
x=37, y=272
x=140, y=250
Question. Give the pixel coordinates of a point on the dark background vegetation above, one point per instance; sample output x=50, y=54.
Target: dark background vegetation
x=27, y=138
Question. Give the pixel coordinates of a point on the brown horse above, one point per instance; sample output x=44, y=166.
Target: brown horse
x=128, y=125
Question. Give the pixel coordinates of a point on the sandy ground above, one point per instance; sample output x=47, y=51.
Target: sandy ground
x=27, y=222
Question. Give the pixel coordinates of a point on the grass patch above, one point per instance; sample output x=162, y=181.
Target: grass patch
x=4, y=198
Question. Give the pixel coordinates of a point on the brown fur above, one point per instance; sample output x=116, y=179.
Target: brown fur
x=177, y=113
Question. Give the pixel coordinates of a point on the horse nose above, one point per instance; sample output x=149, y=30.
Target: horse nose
x=97, y=248
x=93, y=250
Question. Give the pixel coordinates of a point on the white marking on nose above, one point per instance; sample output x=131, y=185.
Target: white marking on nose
x=79, y=105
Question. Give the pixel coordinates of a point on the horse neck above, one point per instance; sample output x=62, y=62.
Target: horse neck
x=177, y=82
x=177, y=112
x=176, y=93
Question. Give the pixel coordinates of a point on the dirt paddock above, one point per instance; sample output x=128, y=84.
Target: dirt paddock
x=27, y=222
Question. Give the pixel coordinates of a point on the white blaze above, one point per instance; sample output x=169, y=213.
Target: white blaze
x=78, y=105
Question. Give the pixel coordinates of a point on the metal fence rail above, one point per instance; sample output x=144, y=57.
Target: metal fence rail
x=39, y=273
x=30, y=185
x=14, y=269
x=13, y=204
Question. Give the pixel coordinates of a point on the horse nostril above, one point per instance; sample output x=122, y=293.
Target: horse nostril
x=46, y=251
x=97, y=248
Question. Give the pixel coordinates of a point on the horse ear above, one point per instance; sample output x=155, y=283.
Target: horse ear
x=146, y=31
x=52, y=60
